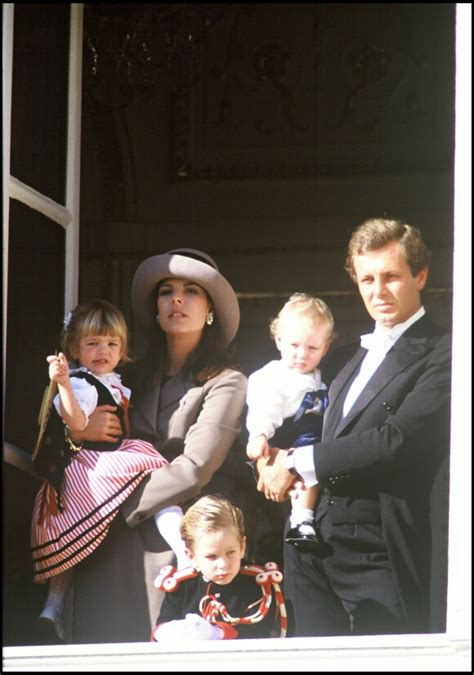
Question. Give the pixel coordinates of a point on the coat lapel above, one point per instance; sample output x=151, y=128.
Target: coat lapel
x=337, y=392
x=173, y=390
x=149, y=406
x=161, y=398
x=406, y=350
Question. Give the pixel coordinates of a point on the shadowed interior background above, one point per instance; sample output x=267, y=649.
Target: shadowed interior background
x=262, y=133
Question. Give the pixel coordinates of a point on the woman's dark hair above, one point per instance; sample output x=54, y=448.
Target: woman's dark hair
x=208, y=360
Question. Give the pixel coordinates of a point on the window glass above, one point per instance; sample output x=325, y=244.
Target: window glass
x=39, y=97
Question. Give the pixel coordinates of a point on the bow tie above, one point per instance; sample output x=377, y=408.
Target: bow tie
x=314, y=401
x=376, y=342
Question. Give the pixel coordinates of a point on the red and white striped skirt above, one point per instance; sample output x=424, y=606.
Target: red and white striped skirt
x=93, y=487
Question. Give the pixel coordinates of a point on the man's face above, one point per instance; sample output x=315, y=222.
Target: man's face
x=389, y=290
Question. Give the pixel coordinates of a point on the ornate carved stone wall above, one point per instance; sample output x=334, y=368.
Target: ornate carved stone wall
x=263, y=133
x=304, y=89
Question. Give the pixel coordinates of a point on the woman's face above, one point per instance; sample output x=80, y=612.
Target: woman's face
x=182, y=306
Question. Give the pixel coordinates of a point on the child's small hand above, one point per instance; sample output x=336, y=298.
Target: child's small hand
x=58, y=368
x=257, y=447
x=296, y=490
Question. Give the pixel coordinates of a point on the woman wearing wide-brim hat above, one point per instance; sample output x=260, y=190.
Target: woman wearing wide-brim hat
x=188, y=400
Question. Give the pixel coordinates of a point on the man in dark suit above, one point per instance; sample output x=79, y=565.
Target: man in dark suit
x=381, y=462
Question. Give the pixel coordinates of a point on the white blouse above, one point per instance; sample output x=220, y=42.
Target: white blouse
x=274, y=393
x=86, y=394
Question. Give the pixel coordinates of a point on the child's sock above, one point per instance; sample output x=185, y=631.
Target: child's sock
x=54, y=606
x=168, y=521
x=58, y=587
x=301, y=515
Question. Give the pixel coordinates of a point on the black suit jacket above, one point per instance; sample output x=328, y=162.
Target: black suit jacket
x=387, y=462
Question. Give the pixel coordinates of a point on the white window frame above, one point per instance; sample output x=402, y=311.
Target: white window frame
x=447, y=652
x=66, y=215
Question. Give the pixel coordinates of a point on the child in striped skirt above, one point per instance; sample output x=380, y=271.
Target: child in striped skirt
x=76, y=505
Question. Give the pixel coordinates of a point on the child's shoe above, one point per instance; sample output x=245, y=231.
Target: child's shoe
x=306, y=538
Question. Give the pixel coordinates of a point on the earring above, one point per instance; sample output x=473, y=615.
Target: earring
x=210, y=318
x=157, y=318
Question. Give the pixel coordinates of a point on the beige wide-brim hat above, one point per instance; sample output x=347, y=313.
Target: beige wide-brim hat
x=192, y=265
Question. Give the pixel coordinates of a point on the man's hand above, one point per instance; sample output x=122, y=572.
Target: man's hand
x=103, y=425
x=274, y=479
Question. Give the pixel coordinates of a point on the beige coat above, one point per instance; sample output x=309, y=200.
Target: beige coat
x=114, y=599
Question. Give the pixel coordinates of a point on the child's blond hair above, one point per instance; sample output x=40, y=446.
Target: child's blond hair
x=210, y=513
x=97, y=317
x=313, y=311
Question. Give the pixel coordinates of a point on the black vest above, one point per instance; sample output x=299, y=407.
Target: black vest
x=55, y=452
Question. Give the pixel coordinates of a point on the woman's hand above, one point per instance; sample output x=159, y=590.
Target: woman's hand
x=103, y=425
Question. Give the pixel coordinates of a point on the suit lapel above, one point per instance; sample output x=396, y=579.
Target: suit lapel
x=337, y=392
x=407, y=349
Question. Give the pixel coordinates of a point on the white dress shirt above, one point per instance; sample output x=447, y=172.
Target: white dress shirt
x=377, y=344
